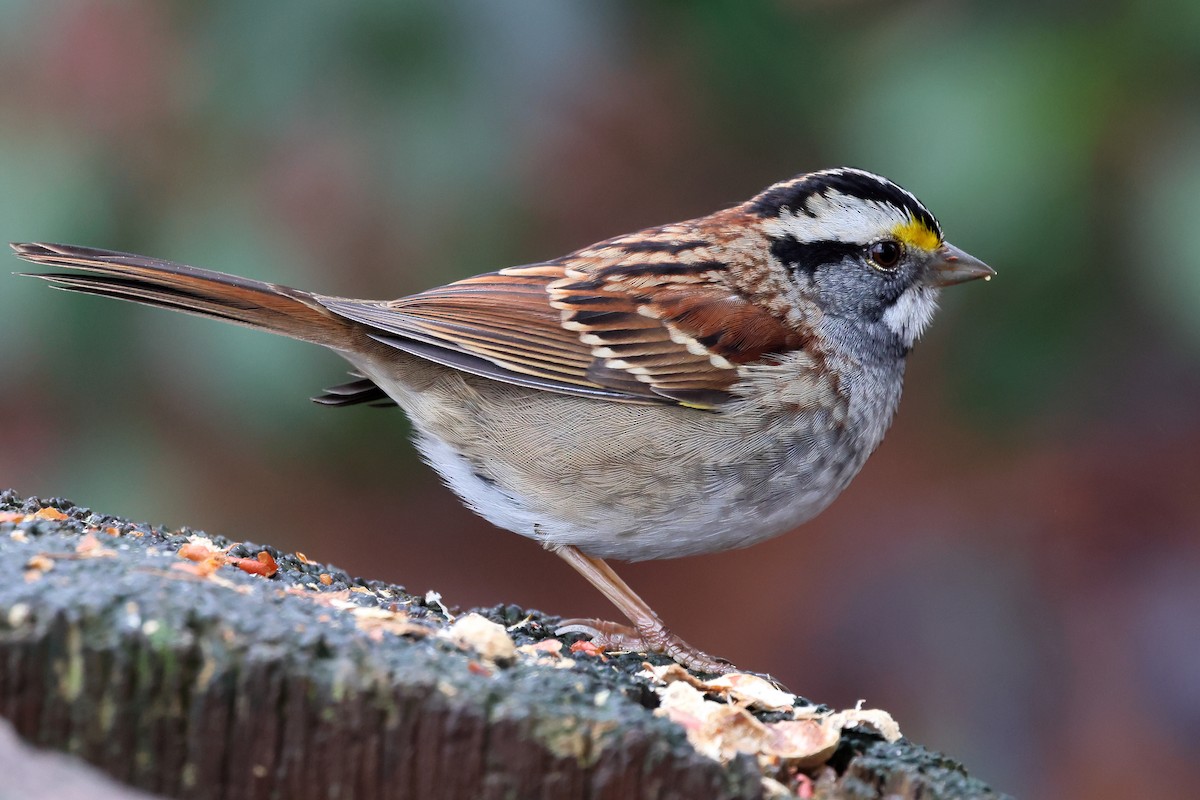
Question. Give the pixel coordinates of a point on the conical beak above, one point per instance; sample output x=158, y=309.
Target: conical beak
x=951, y=265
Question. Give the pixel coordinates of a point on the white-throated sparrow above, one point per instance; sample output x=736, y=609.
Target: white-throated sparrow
x=688, y=388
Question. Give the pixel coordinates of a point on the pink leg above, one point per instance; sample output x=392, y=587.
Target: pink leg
x=648, y=632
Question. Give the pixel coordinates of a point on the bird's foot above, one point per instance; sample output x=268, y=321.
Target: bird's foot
x=649, y=638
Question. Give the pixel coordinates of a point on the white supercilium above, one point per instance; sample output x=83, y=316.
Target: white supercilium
x=839, y=217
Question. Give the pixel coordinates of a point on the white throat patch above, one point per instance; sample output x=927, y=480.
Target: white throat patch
x=911, y=313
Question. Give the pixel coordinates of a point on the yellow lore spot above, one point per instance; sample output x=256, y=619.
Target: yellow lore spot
x=916, y=234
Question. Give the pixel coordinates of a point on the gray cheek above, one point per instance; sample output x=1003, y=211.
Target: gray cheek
x=853, y=289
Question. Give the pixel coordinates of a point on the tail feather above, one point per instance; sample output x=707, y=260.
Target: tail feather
x=155, y=282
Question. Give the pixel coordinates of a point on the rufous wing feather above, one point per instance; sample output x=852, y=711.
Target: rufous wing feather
x=633, y=324
x=638, y=319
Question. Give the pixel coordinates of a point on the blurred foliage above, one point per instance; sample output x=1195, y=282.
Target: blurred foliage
x=1028, y=127
x=374, y=149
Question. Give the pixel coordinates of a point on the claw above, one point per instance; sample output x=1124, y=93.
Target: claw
x=648, y=634
x=653, y=638
x=606, y=635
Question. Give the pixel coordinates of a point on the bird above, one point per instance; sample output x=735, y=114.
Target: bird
x=688, y=388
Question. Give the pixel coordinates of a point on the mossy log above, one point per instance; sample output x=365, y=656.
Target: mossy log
x=239, y=672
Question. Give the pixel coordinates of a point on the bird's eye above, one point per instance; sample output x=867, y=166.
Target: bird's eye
x=885, y=254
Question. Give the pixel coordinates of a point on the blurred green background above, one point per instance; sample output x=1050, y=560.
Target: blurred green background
x=1016, y=573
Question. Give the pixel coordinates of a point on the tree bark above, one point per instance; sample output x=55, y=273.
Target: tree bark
x=212, y=676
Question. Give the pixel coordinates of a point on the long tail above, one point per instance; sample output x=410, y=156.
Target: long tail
x=256, y=304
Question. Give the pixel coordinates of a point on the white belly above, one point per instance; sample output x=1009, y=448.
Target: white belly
x=626, y=481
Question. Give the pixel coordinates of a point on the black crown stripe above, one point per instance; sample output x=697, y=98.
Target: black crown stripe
x=794, y=194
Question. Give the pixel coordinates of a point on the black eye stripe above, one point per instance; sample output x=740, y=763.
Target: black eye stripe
x=808, y=256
